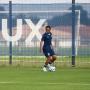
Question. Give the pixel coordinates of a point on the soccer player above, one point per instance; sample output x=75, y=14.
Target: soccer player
x=47, y=48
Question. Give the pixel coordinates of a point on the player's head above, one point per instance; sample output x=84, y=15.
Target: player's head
x=48, y=28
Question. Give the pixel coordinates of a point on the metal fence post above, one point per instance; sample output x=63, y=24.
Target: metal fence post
x=73, y=32
x=10, y=31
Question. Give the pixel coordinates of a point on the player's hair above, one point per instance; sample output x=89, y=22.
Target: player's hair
x=48, y=27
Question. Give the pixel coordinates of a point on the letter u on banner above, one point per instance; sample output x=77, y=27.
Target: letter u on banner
x=5, y=31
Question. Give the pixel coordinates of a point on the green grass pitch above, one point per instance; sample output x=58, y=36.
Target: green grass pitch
x=28, y=78
x=26, y=74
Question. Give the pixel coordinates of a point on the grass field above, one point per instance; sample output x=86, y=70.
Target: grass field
x=27, y=78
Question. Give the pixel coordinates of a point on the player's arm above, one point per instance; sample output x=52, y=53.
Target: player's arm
x=41, y=43
x=51, y=45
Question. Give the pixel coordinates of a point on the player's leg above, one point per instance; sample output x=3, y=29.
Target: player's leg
x=53, y=58
x=53, y=55
x=49, y=60
x=45, y=52
x=48, y=53
x=48, y=64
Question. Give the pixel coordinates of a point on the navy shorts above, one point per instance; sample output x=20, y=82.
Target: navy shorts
x=48, y=51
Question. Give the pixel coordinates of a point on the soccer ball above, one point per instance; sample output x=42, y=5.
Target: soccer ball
x=52, y=69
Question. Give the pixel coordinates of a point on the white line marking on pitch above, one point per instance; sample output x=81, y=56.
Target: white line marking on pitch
x=66, y=84
x=6, y=82
x=79, y=84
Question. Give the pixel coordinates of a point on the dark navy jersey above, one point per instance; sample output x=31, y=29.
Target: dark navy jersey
x=47, y=38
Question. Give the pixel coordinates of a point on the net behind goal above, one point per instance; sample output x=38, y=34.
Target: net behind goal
x=33, y=24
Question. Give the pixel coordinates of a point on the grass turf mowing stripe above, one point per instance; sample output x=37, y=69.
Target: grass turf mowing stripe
x=41, y=83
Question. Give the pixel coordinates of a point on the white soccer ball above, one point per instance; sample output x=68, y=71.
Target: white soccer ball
x=52, y=69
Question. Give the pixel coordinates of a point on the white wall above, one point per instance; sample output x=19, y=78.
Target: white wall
x=44, y=1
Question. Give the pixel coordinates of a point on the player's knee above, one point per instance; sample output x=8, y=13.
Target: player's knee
x=50, y=58
x=54, y=57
